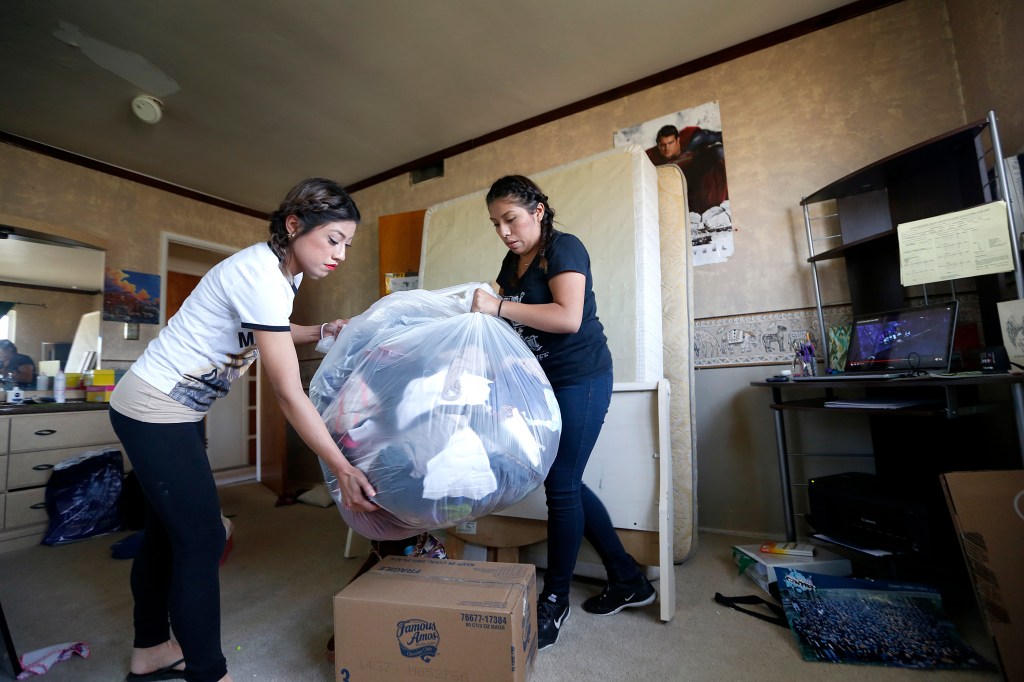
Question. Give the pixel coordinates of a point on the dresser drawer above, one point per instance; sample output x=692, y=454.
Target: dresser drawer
x=26, y=508
x=5, y=430
x=26, y=469
x=3, y=505
x=64, y=430
x=3, y=473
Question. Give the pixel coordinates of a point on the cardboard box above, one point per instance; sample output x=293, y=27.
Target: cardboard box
x=416, y=619
x=988, y=513
x=762, y=569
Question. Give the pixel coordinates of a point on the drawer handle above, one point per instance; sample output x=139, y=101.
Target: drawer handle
x=46, y=432
x=42, y=467
x=38, y=505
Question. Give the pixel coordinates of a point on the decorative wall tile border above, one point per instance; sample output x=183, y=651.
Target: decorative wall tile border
x=768, y=338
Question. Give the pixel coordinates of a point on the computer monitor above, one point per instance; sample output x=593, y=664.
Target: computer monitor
x=910, y=339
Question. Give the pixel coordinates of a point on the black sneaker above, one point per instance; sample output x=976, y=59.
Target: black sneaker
x=551, y=615
x=618, y=596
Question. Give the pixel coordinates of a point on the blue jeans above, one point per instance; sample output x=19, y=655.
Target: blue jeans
x=574, y=511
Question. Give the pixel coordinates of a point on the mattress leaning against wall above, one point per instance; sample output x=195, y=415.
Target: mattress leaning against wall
x=611, y=201
x=677, y=330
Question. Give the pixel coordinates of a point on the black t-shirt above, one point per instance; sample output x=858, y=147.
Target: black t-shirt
x=566, y=358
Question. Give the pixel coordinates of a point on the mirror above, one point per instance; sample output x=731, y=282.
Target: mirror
x=56, y=287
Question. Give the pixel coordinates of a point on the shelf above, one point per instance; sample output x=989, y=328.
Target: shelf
x=935, y=381
x=882, y=173
x=950, y=172
x=818, y=404
x=840, y=251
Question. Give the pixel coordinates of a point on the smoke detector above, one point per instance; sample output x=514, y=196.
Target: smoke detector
x=148, y=108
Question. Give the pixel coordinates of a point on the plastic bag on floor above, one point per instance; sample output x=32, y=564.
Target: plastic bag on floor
x=447, y=412
x=83, y=497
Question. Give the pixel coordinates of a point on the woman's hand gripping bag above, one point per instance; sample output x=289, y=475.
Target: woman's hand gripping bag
x=447, y=412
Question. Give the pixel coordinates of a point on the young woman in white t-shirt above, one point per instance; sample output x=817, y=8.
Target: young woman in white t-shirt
x=240, y=309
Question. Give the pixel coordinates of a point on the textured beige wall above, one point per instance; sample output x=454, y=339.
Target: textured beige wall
x=127, y=218
x=987, y=35
x=795, y=116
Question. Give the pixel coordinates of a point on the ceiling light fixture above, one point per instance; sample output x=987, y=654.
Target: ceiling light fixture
x=148, y=108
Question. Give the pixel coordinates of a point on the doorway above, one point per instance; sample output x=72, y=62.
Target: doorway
x=229, y=443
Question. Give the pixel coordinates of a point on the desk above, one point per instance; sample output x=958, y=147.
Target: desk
x=945, y=398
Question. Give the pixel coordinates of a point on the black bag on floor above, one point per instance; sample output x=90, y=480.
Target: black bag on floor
x=83, y=497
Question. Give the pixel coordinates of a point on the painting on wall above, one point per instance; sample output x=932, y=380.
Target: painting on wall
x=692, y=140
x=131, y=296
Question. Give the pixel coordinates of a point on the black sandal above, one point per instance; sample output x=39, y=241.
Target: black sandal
x=168, y=672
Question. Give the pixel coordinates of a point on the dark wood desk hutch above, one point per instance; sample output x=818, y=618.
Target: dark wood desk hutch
x=962, y=423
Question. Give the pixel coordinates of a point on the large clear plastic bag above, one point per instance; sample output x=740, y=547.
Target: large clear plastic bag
x=447, y=412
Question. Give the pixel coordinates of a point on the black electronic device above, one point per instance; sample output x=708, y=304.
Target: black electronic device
x=994, y=359
x=862, y=510
x=899, y=343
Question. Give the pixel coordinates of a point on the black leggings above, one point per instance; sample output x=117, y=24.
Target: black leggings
x=175, y=576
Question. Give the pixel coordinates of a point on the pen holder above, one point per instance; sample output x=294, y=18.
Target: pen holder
x=804, y=363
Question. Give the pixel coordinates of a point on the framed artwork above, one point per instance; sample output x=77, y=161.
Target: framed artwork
x=131, y=297
x=1011, y=323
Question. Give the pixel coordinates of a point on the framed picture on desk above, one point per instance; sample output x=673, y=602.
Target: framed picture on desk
x=1011, y=323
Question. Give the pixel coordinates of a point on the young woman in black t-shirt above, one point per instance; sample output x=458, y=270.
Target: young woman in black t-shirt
x=547, y=295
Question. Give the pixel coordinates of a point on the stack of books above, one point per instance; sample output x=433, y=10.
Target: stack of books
x=761, y=566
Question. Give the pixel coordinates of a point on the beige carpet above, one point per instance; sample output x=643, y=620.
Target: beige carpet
x=287, y=564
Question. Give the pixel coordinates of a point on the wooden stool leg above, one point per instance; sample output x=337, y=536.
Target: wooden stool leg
x=507, y=555
x=454, y=546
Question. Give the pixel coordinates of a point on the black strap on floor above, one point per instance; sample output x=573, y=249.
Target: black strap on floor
x=734, y=603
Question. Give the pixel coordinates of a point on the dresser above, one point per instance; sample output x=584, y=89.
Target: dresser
x=34, y=438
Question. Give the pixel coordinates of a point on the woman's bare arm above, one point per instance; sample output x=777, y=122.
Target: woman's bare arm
x=277, y=353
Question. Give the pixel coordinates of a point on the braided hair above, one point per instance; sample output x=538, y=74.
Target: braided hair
x=524, y=192
x=314, y=202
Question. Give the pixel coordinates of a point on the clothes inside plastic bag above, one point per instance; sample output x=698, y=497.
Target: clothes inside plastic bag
x=83, y=496
x=447, y=412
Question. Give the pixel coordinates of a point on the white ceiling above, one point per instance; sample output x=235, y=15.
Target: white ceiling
x=260, y=93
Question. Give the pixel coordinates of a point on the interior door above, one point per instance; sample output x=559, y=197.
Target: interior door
x=400, y=236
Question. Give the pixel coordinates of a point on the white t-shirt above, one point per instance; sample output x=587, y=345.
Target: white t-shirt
x=209, y=342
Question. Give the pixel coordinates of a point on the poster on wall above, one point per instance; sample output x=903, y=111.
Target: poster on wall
x=131, y=296
x=692, y=140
